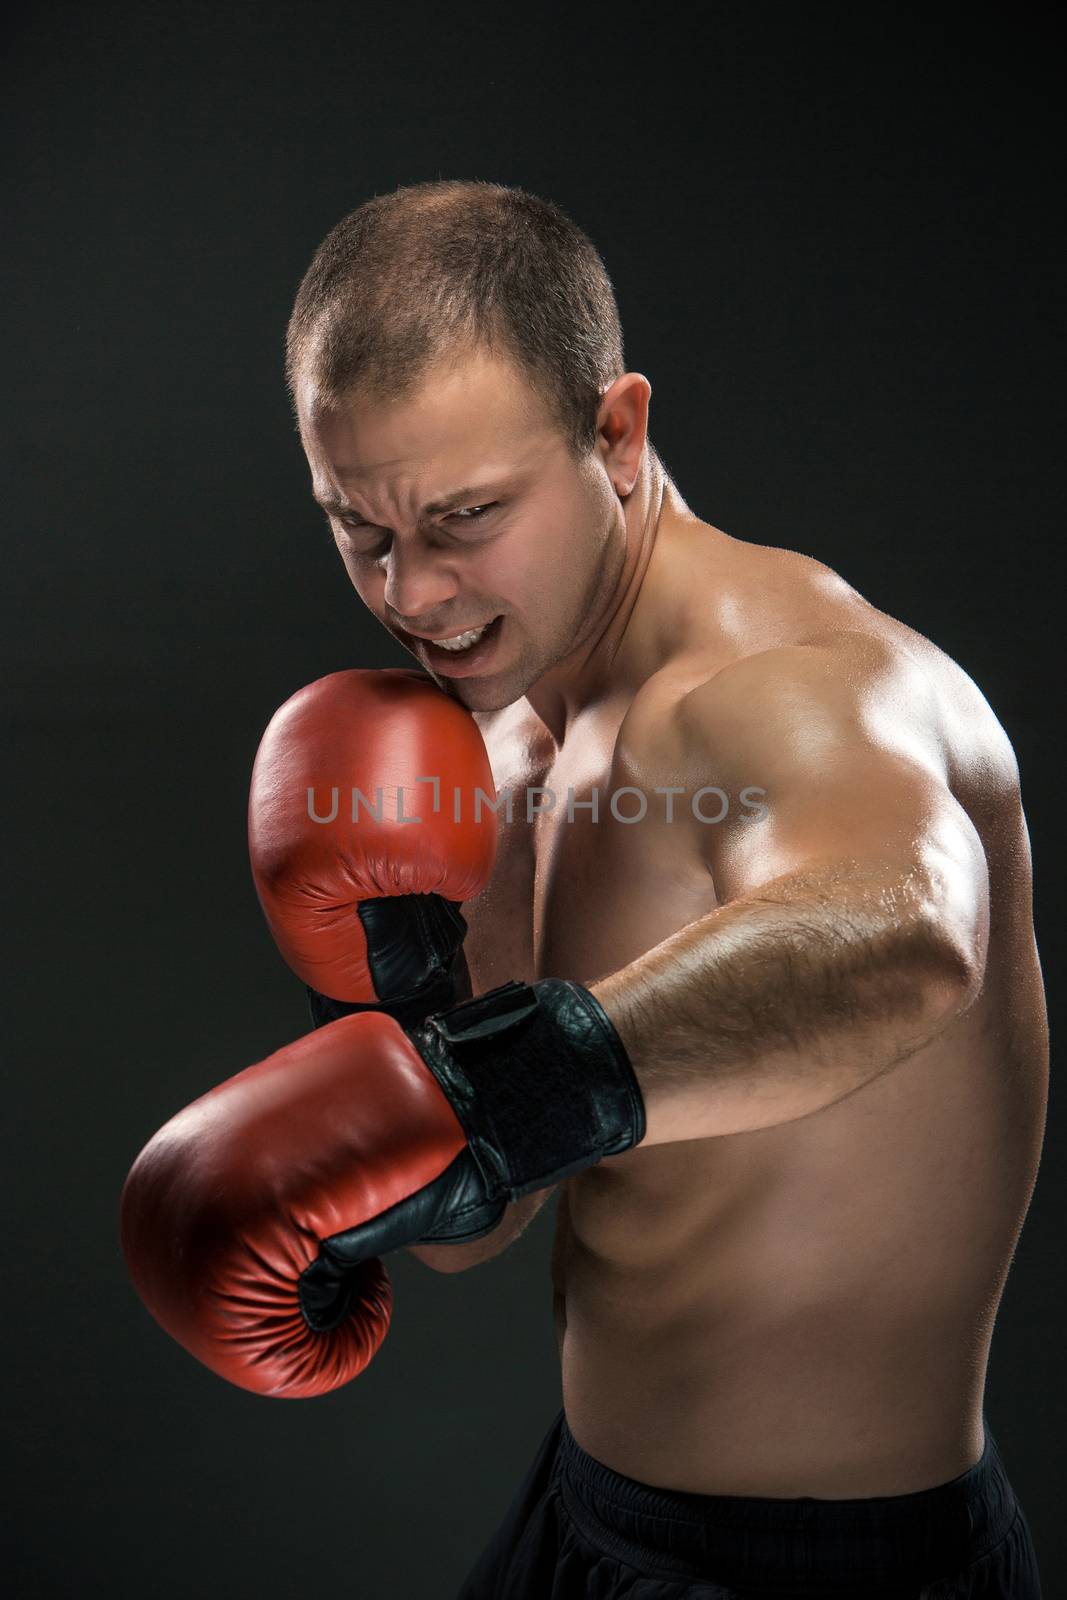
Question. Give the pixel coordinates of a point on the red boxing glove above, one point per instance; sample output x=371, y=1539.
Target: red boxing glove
x=253, y=1220
x=364, y=902
x=224, y=1209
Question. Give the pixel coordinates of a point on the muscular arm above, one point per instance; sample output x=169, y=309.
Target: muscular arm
x=458, y=1257
x=855, y=910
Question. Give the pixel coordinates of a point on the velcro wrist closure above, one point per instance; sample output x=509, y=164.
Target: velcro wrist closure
x=539, y=1079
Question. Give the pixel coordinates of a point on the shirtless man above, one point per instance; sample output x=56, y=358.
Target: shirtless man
x=814, y=942
x=833, y=1004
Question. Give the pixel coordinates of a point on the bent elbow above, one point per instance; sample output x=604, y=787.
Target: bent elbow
x=950, y=974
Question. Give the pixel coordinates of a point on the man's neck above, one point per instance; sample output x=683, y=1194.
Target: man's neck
x=618, y=660
x=598, y=670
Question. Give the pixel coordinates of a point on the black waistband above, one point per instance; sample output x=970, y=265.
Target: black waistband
x=761, y=1542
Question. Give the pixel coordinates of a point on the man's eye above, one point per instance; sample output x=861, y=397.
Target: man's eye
x=357, y=529
x=472, y=513
x=359, y=539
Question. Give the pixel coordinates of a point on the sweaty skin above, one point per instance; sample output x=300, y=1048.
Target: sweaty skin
x=803, y=1307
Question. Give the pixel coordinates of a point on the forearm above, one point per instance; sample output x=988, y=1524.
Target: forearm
x=775, y=1006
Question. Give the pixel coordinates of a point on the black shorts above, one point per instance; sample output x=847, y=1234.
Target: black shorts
x=576, y=1530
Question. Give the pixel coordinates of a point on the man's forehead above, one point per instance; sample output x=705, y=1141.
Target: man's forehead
x=434, y=479
x=356, y=445
x=350, y=461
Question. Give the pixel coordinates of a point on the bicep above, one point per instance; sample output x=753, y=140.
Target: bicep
x=851, y=787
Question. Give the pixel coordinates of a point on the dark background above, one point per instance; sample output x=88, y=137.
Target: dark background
x=834, y=236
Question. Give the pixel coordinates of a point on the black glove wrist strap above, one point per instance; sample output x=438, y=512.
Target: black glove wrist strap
x=539, y=1079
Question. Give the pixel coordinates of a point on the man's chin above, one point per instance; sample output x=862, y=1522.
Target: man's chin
x=479, y=695
x=494, y=692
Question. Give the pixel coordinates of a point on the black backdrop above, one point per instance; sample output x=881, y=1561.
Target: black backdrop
x=834, y=236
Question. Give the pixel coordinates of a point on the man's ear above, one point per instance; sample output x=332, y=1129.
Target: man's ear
x=622, y=428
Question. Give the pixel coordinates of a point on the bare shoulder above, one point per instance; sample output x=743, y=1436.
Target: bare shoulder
x=788, y=651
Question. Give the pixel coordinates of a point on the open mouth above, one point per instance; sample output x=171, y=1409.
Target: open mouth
x=465, y=652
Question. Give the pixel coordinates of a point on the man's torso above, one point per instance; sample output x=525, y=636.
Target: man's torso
x=805, y=1309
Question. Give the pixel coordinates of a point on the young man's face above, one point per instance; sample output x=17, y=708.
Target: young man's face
x=462, y=506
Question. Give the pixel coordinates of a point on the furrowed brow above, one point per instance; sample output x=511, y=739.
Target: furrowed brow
x=473, y=493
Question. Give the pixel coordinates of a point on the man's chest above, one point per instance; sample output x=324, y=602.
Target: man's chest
x=592, y=868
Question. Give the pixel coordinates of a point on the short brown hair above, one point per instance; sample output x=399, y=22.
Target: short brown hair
x=410, y=275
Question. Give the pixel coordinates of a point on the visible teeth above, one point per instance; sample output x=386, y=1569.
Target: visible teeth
x=461, y=641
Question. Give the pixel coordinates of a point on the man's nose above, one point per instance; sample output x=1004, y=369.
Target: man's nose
x=417, y=583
